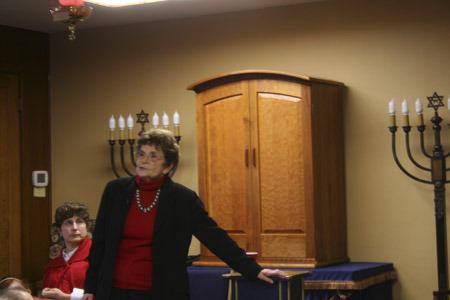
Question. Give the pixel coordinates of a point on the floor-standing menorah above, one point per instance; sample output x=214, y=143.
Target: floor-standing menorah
x=437, y=170
x=142, y=119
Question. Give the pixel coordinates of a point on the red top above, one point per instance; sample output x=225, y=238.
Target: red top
x=134, y=262
x=71, y=274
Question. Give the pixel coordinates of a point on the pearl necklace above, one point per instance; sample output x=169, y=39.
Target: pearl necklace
x=148, y=208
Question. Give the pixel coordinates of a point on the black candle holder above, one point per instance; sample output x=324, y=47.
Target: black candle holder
x=438, y=172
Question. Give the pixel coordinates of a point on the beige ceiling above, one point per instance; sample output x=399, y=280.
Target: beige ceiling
x=34, y=14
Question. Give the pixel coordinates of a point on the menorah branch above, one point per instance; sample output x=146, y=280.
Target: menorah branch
x=407, y=129
x=421, y=129
x=393, y=130
x=122, y=158
x=111, y=154
x=133, y=161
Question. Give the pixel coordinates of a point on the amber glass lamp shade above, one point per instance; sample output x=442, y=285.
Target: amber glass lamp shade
x=71, y=2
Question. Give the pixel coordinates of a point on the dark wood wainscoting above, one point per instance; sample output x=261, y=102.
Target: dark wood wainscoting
x=25, y=137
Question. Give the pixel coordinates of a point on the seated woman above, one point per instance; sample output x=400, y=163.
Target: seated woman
x=64, y=275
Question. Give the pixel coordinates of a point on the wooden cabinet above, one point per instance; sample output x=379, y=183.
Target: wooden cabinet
x=271, y=165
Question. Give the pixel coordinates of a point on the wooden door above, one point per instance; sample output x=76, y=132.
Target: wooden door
x=278, y=170
x=224, y=156
x=10, y=191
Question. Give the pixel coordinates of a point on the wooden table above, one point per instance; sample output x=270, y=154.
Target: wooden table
x=288, y=288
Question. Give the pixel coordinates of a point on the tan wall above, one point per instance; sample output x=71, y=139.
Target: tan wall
x=379, y=49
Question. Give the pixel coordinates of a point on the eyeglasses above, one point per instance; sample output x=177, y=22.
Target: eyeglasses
x=153, y=156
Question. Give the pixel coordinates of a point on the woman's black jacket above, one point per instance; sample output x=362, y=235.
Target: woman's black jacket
x=180, y=215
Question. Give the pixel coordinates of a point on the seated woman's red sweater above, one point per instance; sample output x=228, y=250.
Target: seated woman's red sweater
x=71, y=274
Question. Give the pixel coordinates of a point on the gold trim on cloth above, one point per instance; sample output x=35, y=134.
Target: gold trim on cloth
x=349, y=284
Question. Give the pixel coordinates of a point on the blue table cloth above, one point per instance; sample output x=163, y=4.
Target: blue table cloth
x=354, y=280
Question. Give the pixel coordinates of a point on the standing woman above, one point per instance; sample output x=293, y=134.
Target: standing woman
x=144, y=228
x=64, y=275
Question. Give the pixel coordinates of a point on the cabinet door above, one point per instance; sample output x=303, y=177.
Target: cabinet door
x=223, y=155
x=278, y=138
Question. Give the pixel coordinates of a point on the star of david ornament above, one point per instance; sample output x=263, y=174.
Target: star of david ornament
x=142, y=118
x=435, y=101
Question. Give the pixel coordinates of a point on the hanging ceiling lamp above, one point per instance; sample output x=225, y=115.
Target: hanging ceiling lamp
x=70, y=12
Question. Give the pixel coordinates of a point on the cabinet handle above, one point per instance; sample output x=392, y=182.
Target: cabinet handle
x=246, y=157
x=254, y=157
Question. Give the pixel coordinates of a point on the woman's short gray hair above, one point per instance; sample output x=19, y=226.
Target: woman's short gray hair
x=165, y=141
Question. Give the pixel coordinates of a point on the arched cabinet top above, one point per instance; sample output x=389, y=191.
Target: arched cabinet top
x=217, y=80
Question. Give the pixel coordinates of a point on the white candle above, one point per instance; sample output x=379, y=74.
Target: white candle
x=391, y=110
x=121, y=127
x=165, y=120
x=419, y=107
x=405, y=109
x=448, y=102
x=176, y=118
x=155, y=120
x=391, y=107
x=405, y=112
x=130, y=122
x=112, y=126
x=112, y=123
x=121, y=123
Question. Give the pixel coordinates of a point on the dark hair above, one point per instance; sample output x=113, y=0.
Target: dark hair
x=69, y=210
x=163, y=140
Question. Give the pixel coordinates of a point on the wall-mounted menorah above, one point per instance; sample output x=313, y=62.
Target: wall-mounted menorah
x=128, y=136
x=437, y=170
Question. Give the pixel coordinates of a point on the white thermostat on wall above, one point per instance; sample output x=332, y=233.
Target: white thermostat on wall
x=40, y=178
